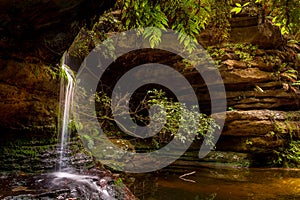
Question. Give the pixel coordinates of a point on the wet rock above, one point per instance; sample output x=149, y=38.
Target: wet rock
x=260, y=52
x=249, y=138
x=258, y=82
x=34, y=35
x=41, y=156
x=257, y=35
x=64, y=185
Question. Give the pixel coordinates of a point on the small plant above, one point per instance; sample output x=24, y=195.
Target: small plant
x=249, y=142
x=231, y=109
x=216, y=53
x=54, y=72
x=271, y=134
x=290, y=156
x=119, y=183
x=291, y=76
x=239, y=7
x=244, y=56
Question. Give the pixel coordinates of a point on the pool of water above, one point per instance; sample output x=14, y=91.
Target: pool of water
x=206, y=182
x=218, y=183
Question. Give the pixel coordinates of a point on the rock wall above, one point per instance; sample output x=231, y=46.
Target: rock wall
x=44, y=29
x=263, y=101
x=34, y=35
x=29, y=100
x=258, y=72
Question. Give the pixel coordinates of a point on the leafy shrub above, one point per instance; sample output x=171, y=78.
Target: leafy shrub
x=171, y=113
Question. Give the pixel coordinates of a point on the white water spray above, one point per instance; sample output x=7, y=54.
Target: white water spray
x=66, y=98
x=67, y=86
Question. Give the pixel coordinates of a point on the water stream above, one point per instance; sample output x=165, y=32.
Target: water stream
x=72, y=182
x=68, y=181
x=66, y=98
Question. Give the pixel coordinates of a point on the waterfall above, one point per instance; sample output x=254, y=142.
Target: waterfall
x=86, y=186
x=65, y=103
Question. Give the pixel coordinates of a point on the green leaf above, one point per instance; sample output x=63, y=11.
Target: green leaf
x=182, y=37
x=246, y=4
x=127, y=22
x=284, y=31
x=236, y=10
x=154, y=35
x=238, y=4
x=292, y=71
x=147, y=32
x=297, y=83
x=186, y=42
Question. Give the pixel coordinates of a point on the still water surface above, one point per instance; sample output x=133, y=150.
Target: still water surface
x=219, y=184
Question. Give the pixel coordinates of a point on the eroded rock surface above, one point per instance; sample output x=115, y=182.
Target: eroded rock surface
x=34, y=35
x=44, y=29
x=258, y=131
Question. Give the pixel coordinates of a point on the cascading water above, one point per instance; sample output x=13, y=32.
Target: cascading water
x=66, y=182
x=66, y=98
x=89, y=186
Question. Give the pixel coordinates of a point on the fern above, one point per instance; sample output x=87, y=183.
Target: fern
x=154, y=35
x=187, y=17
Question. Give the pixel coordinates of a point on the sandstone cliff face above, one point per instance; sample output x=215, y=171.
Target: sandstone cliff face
x=263, y=108
x=34, y=35
x=43, y=29
x=258, y=131
x=29, y=100
x=263, y=104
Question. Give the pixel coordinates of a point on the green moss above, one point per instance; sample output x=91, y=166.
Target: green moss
x=289, y=156
x=278, y=128
x=18, y=150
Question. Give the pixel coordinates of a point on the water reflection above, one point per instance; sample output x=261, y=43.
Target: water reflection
x=216, y=183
